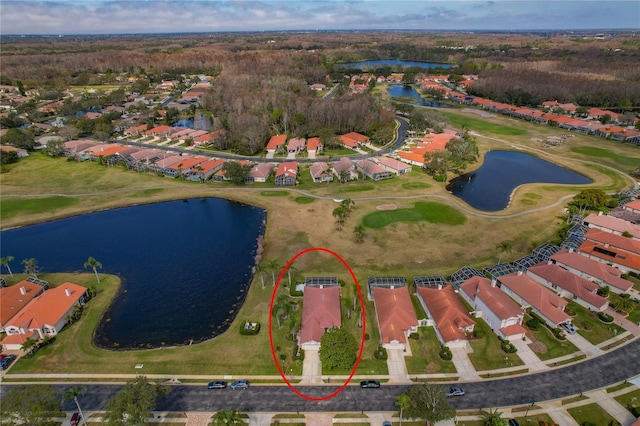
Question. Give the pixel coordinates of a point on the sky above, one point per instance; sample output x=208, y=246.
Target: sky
x=170, y=16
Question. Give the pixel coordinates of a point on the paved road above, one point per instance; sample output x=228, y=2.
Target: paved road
x=613, y=367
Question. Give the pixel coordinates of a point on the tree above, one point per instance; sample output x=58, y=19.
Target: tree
x=133, y=404
x=437, y=162
x=236, y=172
x=28, y=345
x=504, y=248
x=274, y=266
x=93, y=264
x=429, y=402
x=338, y=349
x=493, y=418
x=55, y=147
x=626, y=304
x=340, y=213
x=4, y=261
x=72, y=394
x=348, y=204
x=402, y=401
x=358, y=231
x=260, y=270
x=281, y=309
x=227, y=417
x=30, y=405
x=591, y=199
x=19, y=138
x=30, y=266
x=463, y=150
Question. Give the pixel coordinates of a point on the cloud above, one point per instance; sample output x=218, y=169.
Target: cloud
x=147, y=16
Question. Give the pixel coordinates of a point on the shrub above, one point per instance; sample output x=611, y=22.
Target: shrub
x=559, y=333
x=440, y=178
x=298, y=354
x=570, y=312
x=478, y=333
x=603, y=291
x=380, y=353
x=295, y=293
x=533, y=323
x=445, y=353
x=605, y=317
x=635, y=411
x=414, y=336
x=508, y=347
x=250, y=328
x=366, y=336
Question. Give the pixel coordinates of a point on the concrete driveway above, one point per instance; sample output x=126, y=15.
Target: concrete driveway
x=311, y=367
x=397, y=367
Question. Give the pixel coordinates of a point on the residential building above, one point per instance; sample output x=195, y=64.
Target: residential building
x=345, y=170
x=276, y=142
x=320, y=172
x=613, y=224
x=372, y=170
x=320, y=312
x=395, y=316
x=287, y=174
x=500, y=312
x=451, y=320
x=204, y=170
x=296, y=145
x=568, y=285
x=599, y=272
x=314, y=145
x=621, y=252
x=353, y=140
x=394, y=166
x=16, y=297
x=260, y=173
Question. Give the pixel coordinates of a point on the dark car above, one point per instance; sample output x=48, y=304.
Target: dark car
x=218, y=384
x=513, y=422
x=6, y=361
x=455, y=391
x=369, y=384
x=240, y=384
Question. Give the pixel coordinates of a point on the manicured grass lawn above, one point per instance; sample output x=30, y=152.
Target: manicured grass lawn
x=605, y=153
x=534, y=420
x=487, y=353
x=304, y=200
x=421, y=211
x=634, y=314
x=590, y=413
x=480, y=125
x=416, y=185
x=533, y=195
x=590, y=327
x=555, y=348
x=630, y=400
x=425, y=359
x=12, y=207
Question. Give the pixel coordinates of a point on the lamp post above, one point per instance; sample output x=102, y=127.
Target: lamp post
x=527, y=412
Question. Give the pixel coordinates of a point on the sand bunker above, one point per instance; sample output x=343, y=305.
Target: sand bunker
x=386, y=207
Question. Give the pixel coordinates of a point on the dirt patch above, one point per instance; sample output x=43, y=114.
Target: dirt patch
x=386, y=206
x=478, y=112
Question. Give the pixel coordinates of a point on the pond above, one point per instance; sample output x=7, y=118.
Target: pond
x=185, y=265
x=397, y=90
x=394, y=62
x=490, y=187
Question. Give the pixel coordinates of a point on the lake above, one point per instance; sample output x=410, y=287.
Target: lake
x=394, y=62
x=396, y=90
x=490, y=187
x=185, y=265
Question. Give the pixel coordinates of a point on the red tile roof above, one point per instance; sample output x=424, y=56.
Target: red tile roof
x=12, y=300
x=313, y=144
x=289, y=168
x=629, y=245
x=320, y=311
x=448, y=311
x=600, y=270
x=276, y=141
x=352, y=139
x=624, y=259
x=633, y=205
x=211, y=165
x=613, y=223
x=395, y=313
x=188, y=163
x=393, y=164
x=495, y=299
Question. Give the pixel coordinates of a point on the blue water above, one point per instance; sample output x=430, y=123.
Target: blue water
x=396, y=90
x=489, y=188
x=392, y=62
x=185, y=265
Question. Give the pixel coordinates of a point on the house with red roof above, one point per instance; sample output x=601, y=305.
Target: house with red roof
x=613, y=224
x=500, y=312
x=633, y=206
x=287, y=174
x=184, y=166
x=45, y=315
x=345, y=170
x=16, y=297
x=135, y=130
x=159, y=131
x=320, y=172
x=373, y=170
x=395, y=316
x=394, y=166
x=296, y=145
x=621, y=252
x=203, y=171
x=163, y=166
x=260, y=173
x=450, y=318
x=314, y=145
x=353, y=140
x=600, y=273
x=529, y=293
x=568, y=285
x=412, y=157
x=276, y=142
x=320, y=312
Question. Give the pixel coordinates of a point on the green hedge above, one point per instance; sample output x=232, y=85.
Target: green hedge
x=249, y=331
x=605, y=317
x=445, y=353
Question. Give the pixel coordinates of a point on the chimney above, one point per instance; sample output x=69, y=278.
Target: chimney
x=520, y=272
x=439, y=286
x=549, y=262
x=600, y=213
x=67, y=292
x=571, y=249
x=23, y=290
x=493, y=282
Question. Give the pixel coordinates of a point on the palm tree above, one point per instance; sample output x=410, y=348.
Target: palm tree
x=348, y=204
x=93, y=264
x=402, y=401
x=289, y=273
x=4, y=261
x=274, y=266
x=626, y=304
x=504, y=248
x=27, y=345
x=281, y=309
x=73, y=393
x=260, y=270
x=359, y=233
x=227, y=417
x=30, y=266
x=340, y=213
x=493, y=418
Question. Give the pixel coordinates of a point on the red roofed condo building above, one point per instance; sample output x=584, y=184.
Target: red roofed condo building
x=622, y=252
x=613, y=224
x=500, y=312
x=320, y=312
x=43, y=316
x=568, y=285
x=287, y=174
x=16, y=297
x=599, y=272
x=260, y=173
x=395, y=315
x=394, y=166
x=203, y=171
x=353, y=140
x=275, y=142
x=373, y=171
x=527, y=292
x=451, y=320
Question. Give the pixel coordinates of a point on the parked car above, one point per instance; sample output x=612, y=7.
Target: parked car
x=240, y=384
x=513, y=422
x=218, y=384
x=386, y=423
x=568, y=327
x=455, y=391
x=75, y=419
x=6, y=361
x=369, y=384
